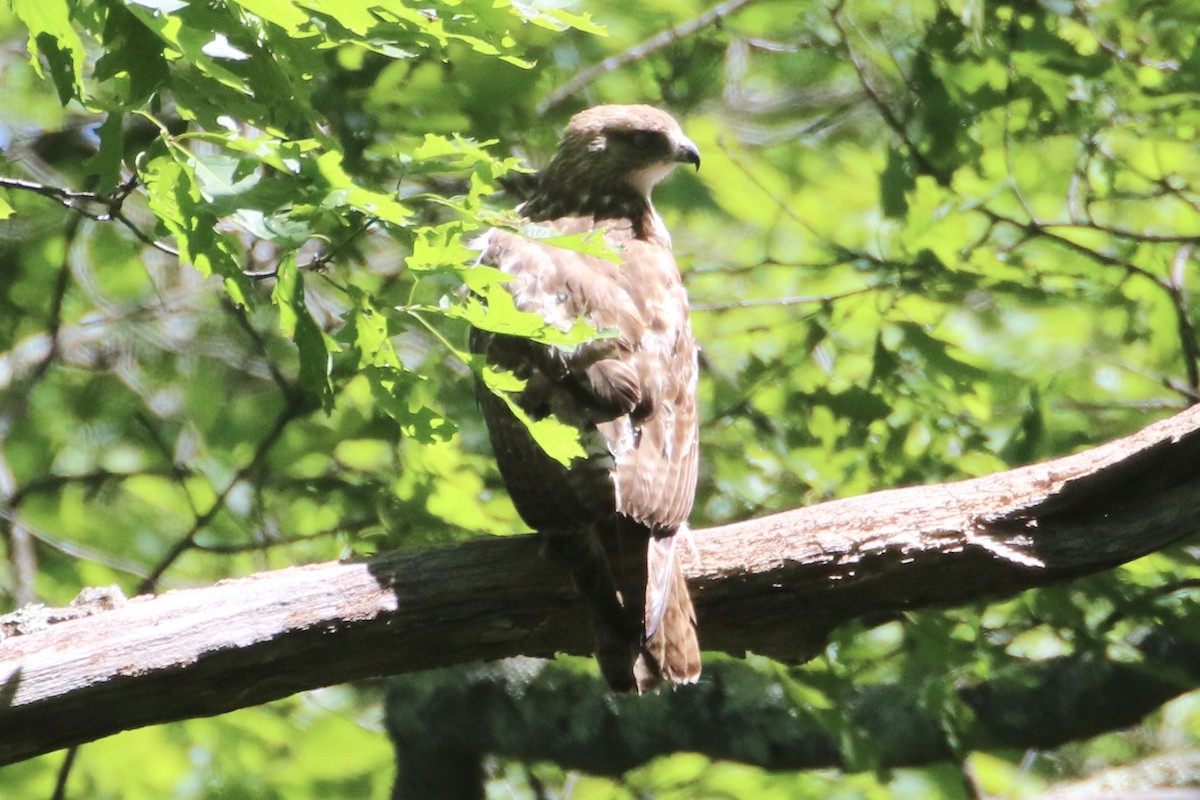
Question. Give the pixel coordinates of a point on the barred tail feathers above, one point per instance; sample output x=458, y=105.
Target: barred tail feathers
x=637, y=603
x=670, y=638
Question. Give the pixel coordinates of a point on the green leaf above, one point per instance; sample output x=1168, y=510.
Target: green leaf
x=297, y=322
x=895, y=182
x=161, y=6
x=6, y=210
x=398, y=395
x=591, y=243
x=107, y=162
x=355, y=17
x=133, y=63
x=52, y=36
x=559, y=440
x=284, y=13
x=346, y=192
x=176, y=201
x=556, y=19
x=220, y=176
x=439, y=247
x=498, y=313
x=466, y=151
x=368, y=328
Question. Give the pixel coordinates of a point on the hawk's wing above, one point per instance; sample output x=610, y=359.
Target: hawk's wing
x=632, y=396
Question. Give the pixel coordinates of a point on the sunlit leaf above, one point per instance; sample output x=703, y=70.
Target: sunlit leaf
x=296, y=322
x=52, y=36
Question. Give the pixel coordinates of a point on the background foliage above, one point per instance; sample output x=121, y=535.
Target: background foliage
x=929, y=241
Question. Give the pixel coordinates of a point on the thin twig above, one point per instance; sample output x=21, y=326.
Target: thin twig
x=1186, y=239
x=22, y=558
x=239, y=314
x=1036, y=230
x=145, y=238
x=885, y=111
x=54, y=322
x=188, y=541
x=318, y=263
x=639, y=51
x=75, y=549
x=1145, y=601
x=1187, y=332
x=112, y=204
x=177, y=471
x=64, y=196
x=1166, y=381
x=53, y=483
x=64, y=772
x=782, y=301
x=1080, y=15
x=265, y=543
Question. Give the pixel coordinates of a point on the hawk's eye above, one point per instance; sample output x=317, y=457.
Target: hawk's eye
x=641, y=140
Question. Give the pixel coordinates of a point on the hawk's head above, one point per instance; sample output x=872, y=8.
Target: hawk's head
x=609, y=160
x=637, y=144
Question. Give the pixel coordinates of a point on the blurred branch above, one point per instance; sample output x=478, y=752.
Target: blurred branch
x=639, y=51
x=321, y=261
x=99, y=337
x=1165, y=381
x=1079, y=13
x=188, y=540
x=260, y=343
x=266, y=541
x=776, y=586
x=1034, y=705
x=22, y=557
x=876, y=98
x=1036, y=229
x=74, y=549
x=1187, y=332
x=54, y=321
x=783, y=301
x=111, y=205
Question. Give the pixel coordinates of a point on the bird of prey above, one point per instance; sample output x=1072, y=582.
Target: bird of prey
x=615, y=513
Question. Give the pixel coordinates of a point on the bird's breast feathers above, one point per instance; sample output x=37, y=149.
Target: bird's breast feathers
x=638, y=386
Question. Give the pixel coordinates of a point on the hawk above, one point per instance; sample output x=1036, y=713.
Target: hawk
x=614, y=514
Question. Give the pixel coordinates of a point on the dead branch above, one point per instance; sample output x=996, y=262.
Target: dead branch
x=775, y=585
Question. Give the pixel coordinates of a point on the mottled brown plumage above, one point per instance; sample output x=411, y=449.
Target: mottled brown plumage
x=615, y=514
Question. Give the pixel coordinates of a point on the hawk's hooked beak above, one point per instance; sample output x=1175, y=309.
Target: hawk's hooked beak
x=686, y=152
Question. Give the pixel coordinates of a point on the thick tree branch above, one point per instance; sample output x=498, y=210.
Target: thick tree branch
x=775, y=585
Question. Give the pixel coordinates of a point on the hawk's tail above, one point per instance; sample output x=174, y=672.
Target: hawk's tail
x=671, y=646
x=638, y=604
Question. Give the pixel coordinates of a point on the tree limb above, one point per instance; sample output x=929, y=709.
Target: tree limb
x=775, y=585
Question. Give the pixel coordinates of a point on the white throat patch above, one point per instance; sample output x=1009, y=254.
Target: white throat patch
x=645, y=179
